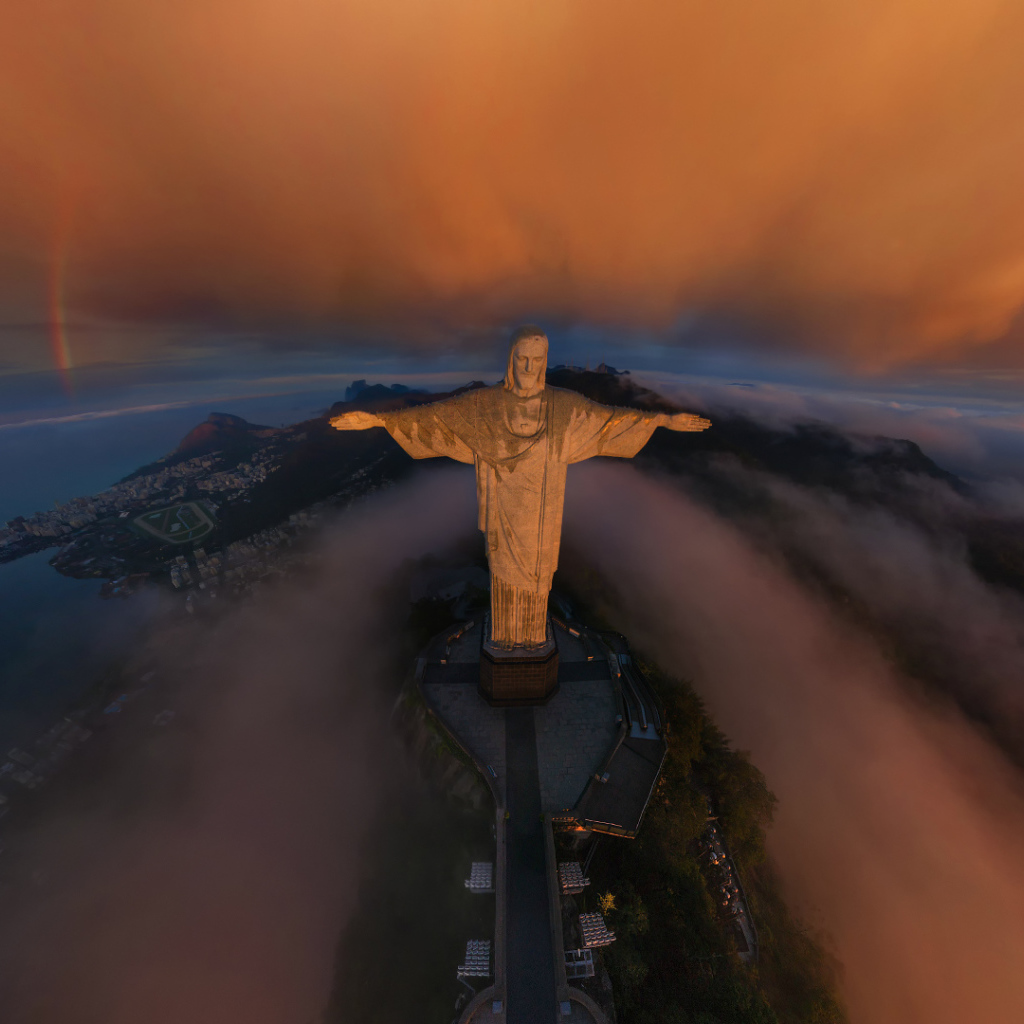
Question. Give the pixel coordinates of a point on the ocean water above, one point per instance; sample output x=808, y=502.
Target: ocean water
x=56, y=634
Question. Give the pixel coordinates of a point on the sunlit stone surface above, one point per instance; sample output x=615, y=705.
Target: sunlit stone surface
x=521, y=437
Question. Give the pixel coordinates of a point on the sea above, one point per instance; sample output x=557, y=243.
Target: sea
x=57, y=635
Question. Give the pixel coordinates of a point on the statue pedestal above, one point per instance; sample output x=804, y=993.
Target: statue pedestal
x=520, y=676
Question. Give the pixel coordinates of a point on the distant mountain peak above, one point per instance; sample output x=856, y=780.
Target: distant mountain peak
x=218, y=431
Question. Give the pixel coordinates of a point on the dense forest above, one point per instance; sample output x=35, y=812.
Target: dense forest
x=673, y=961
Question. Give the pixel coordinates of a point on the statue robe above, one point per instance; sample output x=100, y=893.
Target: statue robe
x=520, y=482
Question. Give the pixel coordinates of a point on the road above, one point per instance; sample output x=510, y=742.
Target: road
x=529, y=955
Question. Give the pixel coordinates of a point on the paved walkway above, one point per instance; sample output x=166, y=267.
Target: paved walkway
x=576, y=731
x=529, y=955
x=542, y=759
x=479, y=728
x=451, y=690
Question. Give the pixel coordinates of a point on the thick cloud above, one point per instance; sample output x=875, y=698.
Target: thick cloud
x=846, y=175
x=981, y=436
x=900, y=829
x=208, y=878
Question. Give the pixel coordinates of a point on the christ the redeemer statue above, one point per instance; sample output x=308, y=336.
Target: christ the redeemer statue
x=520, y=436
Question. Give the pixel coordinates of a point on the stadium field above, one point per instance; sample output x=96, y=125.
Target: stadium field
x=176, y=524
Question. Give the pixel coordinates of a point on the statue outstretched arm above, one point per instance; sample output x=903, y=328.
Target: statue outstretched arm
x=424, y=431
x=596, y=429
x=683, y=421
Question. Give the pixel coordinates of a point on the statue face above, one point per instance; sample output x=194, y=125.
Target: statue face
x=529, y=363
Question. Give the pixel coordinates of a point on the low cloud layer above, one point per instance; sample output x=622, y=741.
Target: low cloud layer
x=922, y=589
x=979, y=435
x=843, y=177
x=211, y=884
x=900, y=828
x=208, y=879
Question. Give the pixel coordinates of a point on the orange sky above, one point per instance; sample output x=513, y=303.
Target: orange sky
x=844, y=175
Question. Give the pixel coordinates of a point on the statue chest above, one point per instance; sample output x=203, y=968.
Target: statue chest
x=526, y=419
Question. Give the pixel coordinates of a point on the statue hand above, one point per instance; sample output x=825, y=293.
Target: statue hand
x=358, y=419
x=686, y=421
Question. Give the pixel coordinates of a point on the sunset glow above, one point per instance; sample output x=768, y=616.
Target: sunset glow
x=838, y=179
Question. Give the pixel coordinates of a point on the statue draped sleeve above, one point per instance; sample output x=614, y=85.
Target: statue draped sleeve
x=471, y=428
x=438, y=429
x=593, y=429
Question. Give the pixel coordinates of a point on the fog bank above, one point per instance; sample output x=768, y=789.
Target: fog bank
x=207, y=878
x=979, y=435
x=900, y=829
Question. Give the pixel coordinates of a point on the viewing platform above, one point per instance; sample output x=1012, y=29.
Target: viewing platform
x=586, y=759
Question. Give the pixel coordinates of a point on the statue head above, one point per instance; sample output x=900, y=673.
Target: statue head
x=527, y=361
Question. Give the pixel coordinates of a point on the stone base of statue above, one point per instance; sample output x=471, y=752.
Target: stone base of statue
x=519, y=676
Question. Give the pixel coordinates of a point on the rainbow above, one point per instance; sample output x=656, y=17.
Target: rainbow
x=59, y=345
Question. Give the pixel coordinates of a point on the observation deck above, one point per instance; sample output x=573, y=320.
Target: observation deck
x=586, y=760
